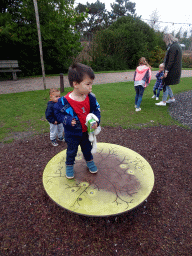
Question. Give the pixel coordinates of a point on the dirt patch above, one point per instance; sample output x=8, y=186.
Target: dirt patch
x=32, y=224
x=17, y=136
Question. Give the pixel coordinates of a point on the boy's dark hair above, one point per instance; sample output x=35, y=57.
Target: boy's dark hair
x=78, y=71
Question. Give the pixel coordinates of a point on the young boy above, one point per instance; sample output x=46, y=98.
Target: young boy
x=159, y=83
x=72, y=110
x=56, y=128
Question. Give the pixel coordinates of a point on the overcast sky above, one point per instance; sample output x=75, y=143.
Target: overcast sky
x=168, y=11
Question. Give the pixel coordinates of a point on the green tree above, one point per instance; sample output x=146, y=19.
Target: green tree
x=97, y=17
x=123, y=44
x=122, y=8
x=157, y=57
x=8, y=4
x=60, y=40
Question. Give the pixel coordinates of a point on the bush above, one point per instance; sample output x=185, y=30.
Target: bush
x=123, y=44
x=156, y=57
x=187, y=61
x=106, y=63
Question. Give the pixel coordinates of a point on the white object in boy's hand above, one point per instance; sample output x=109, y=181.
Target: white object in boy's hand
x=91, y=119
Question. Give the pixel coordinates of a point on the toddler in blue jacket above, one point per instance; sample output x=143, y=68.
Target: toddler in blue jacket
x=159, y=83
x=56, y=128
x=72, y=110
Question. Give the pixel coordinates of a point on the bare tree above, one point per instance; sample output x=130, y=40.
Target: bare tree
x=165, y=30
x=179, y=34
x=154, y=20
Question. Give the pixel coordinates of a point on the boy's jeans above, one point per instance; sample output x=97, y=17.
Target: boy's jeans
x=72, y=146
x=56, y=130
x=139, y=94
x=158, y=92
x=167, y=92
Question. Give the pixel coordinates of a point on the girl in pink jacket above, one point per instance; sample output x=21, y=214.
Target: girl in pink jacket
x=141, y=79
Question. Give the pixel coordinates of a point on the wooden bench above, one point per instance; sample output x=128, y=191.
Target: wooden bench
x=10, y=66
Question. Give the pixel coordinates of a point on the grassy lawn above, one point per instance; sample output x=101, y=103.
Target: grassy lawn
x=21, y=112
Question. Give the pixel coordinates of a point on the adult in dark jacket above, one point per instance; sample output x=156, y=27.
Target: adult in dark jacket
x=173, y=66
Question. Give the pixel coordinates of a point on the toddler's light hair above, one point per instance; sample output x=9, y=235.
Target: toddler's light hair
x=52, y=90
x=162, y=65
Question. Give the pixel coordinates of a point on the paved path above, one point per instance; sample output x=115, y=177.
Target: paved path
x=32, y=84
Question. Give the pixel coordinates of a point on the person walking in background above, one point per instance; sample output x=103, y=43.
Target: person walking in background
x=159, y=83
x=141, y=79
x=56, y=128
x=173, y=66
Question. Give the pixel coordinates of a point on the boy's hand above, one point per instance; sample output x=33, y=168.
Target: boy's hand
x=73, y=122
x=95, y=126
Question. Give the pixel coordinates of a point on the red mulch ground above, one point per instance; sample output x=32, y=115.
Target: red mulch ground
x=32, y=224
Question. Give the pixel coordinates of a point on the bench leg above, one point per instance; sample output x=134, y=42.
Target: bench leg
x=14, y=76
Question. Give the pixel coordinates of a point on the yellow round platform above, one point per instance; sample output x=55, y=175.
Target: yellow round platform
x=123, y=181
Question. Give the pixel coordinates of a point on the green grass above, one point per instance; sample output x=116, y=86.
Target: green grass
x=25, y=112
x=117, y=105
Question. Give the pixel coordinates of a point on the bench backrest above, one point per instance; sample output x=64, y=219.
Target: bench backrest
x=9, y=64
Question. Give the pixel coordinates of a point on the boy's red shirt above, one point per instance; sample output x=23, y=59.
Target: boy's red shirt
x=81, y=108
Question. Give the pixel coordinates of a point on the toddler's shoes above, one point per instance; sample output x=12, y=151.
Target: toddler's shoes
x=61, y=139
x=54, y=143
x=92, y=167
x=69, y=172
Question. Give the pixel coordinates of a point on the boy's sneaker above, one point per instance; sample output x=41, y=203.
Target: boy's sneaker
x=138, y=109
x=170, y=101
x=92, y=167
x=157, y=98
x=153, y=97
x=54, y=143
x=61, y=139
x=69, y=172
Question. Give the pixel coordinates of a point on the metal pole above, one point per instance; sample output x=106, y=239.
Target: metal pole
x=40, y=43
x=61, y=82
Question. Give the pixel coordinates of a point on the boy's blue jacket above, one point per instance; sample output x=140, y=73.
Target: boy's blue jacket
x=49, y=113
x=65, y=113
x=159, y=82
